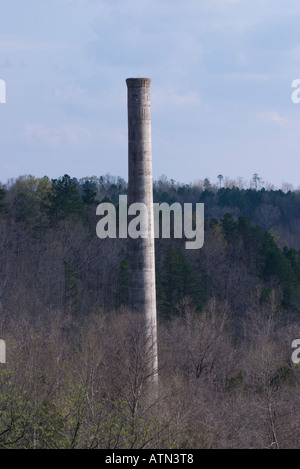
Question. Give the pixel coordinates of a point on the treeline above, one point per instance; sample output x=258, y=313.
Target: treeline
x=275, y=210
x=51, y=256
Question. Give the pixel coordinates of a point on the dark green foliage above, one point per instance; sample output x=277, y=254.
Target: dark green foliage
x=89, y=192
x=263, y=256
x=64, y=199
x=245, y=200
x=294, y=259
x=230, y=227
x=208, y=198
x=178, y=280
x=3, y=205
x=106, y=200
x=23, y=207
x=277, y=264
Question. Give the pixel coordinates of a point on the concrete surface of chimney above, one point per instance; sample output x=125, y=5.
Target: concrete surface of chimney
x=141, y=251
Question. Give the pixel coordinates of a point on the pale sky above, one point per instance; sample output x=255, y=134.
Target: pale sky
x=221, y=71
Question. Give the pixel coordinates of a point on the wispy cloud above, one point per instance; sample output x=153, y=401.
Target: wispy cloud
x=164, y=98
x=71, y=134
x=285, y=122
x=18, y=44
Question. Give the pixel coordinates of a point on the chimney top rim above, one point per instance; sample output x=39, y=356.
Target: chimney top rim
x=131, y=82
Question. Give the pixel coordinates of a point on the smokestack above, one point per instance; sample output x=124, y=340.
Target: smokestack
x=141, y=250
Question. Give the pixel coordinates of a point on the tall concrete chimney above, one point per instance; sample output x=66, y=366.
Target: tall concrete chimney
x=141, y=254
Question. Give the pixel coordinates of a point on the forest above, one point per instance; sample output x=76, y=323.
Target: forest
x=76, y=372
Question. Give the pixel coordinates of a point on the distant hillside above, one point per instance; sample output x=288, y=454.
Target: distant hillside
x=51, y=257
